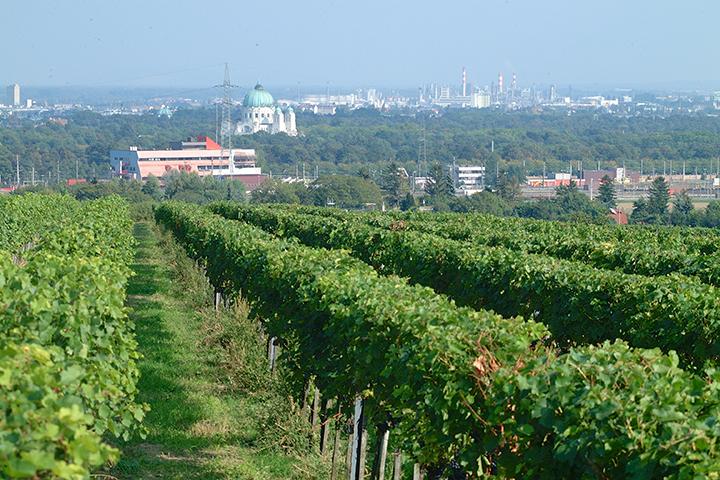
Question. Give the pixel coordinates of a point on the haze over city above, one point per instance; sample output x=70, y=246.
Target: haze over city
x=643, y=44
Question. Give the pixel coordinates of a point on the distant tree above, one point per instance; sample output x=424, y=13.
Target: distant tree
x=276, y=191
x=190, y=187
x=152, y=188
x=345, y=191
x=508, y=186
x=441, y=204
x=654, y=209
x=516, y=172
x=364, y=172
x=408, y=203
x=606, y=192
x=492, y=165
x=569, y=204
x=566, y=190
x=393, y=184
x=683, y=212
x=439, y=182
x=711, y=215
x=640, y=213
x=177, y=182
x=482, y=202
x=659, y=197
x=229, y=189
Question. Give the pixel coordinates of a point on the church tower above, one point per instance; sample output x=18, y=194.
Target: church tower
x=290, y=122
x=278, y=121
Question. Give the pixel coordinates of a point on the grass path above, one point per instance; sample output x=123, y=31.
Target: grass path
x=196, y=429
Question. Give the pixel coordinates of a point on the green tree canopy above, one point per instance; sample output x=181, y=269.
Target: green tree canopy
x=345, y=191
x=606, y=192
x=659, y=197
x=439, y=182
x=276, y=191
x=152, y=188
x=683, y=212
x=392, y=183
x=508, y=186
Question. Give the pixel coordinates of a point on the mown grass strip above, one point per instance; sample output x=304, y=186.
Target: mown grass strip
x=199, y=426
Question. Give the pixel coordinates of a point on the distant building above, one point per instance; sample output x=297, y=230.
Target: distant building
x=324, y=109
x=260, y=114
x=13, y=95
x=202, y=156
x=469, y=180
x=557, y=180
x=619, y=175
x=480, y=100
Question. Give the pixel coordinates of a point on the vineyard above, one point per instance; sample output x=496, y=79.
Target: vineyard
x=67, y=363
x=444, y=345
x=518, y=371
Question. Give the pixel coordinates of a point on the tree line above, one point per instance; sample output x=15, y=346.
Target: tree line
x=342, y=144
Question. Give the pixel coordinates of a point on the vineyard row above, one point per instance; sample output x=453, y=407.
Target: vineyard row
x=455, y=382
x=578, y=303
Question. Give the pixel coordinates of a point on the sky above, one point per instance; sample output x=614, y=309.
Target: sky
x=383, y=43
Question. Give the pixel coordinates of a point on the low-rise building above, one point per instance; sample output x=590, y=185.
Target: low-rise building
x=469, y=179
x=202, y=156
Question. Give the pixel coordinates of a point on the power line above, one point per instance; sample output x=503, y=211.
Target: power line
x=226, y=125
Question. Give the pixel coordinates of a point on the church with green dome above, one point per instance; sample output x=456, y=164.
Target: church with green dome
x=259, y=113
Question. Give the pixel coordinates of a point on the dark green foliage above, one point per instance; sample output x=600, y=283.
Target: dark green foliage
x=191, y=187
x=711, y=215
x=345, y=191
x=408, y=203
x=152, y=188
x=276, y=191
x=128, y=189
x=569, y=204
x=639, y=250
x=683, y=212
x=439, y=182
x=508, y=186
x=606, y=192
x=654, y=209
x=659, y=197
x=393, y=185
x=482, y=202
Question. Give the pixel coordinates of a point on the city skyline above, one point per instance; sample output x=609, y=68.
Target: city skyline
x=643, y=45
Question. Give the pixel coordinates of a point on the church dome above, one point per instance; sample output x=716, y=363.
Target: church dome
x=258, y=97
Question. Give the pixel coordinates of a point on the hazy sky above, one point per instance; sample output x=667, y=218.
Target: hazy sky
x=359, y=43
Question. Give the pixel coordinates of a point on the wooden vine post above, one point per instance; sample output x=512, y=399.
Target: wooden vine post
x=272, y=353
x=359, y=446
x=397, y=465
x=384, y=432
x=325, y=424
x=336, y=447
x=314, y=415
